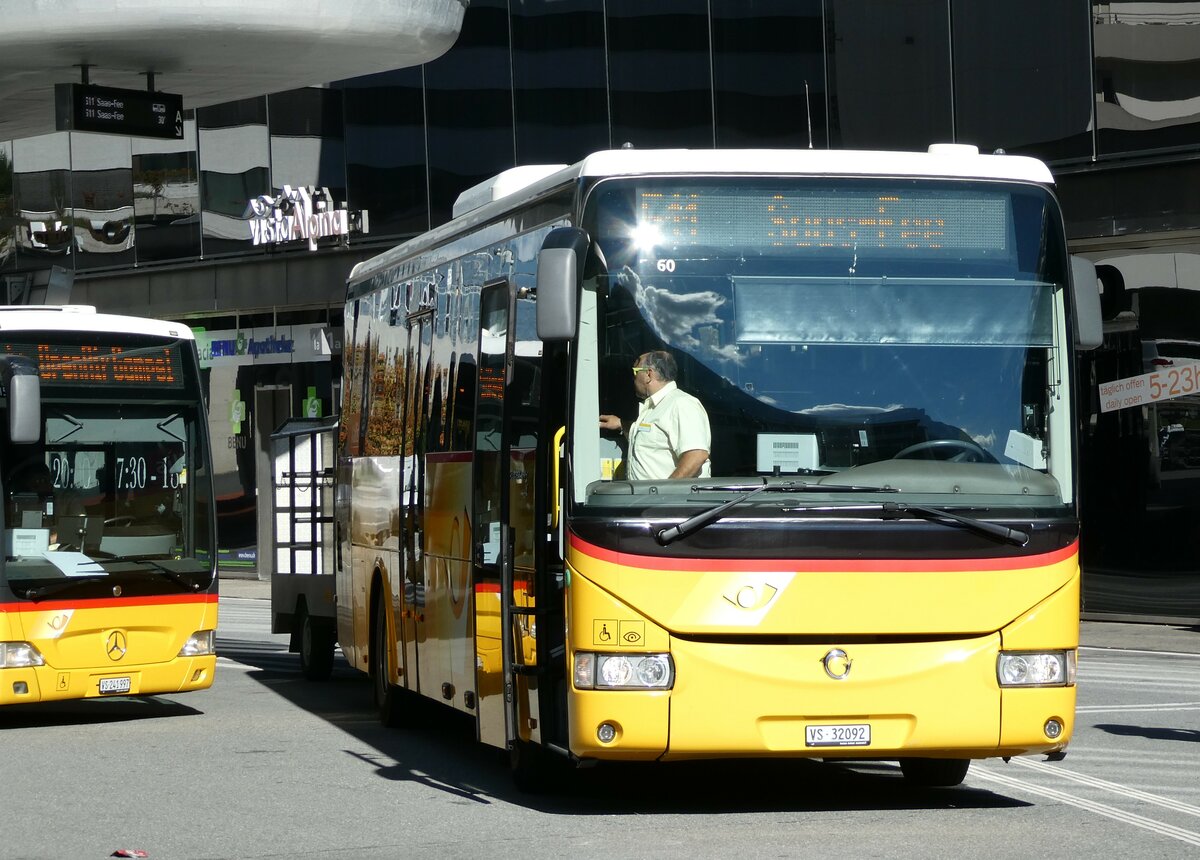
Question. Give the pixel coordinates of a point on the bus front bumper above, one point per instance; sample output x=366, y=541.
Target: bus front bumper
x=874, y=700
x=47, y=683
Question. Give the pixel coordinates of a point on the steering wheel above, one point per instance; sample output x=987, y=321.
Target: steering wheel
x=123, y=520
x=967, y=452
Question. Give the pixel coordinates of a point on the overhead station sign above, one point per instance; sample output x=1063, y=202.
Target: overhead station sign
x=106, y=110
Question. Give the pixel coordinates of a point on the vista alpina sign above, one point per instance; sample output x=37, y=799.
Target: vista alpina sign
x=304, y=212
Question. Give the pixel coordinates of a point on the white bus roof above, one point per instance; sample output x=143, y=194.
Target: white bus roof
x=77, y=318
x=517, y=185
x=941, y=160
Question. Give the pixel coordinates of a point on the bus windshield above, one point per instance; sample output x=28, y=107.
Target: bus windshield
x=899, y=336
x=112, y=495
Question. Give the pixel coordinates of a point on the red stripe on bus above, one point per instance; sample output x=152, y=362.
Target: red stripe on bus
x=494, y=587
x=106, y=603
x=872, y=565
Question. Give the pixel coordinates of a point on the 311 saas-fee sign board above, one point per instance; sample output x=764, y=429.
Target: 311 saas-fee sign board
x=106, y=110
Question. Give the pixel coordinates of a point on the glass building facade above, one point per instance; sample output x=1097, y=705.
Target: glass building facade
x=1107, y=93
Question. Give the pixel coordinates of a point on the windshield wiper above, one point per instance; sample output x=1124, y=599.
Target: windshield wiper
x=63, y=585
x=667, y=535
x=691, y=524
x=995, y=530
x=162, y=570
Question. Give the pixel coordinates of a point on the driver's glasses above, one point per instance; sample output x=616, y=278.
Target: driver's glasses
x=638, y=370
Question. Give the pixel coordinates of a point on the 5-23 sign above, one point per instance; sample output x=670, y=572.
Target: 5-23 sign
x=1175, y=382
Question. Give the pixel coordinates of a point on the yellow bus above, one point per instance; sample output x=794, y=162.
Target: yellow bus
x=108, y=583
x=880, y=560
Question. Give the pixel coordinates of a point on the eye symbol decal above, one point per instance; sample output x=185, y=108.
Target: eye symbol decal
x=752, y=596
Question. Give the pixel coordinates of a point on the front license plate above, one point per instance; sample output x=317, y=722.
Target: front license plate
x=848, y=735
x=110, y=686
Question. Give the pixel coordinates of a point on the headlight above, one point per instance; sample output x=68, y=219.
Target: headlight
x=198, y=644
x=1036, y=668
x=17, y=655
x=623, y=671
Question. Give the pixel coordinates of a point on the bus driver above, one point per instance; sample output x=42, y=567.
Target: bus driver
x=670, y=437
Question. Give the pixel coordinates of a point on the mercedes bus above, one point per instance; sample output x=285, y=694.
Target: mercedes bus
x=108, y=581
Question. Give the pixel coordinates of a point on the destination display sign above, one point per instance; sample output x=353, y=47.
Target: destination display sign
x=886, y=218
x=106, y=110
x=102, y=366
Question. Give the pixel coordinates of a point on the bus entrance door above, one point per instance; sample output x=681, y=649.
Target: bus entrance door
x=506, y=437
x=488, y=521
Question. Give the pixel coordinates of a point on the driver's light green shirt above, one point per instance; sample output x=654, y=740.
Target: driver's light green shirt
x=669, y=422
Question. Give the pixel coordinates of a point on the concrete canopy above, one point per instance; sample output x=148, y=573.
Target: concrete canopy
x=209, y=51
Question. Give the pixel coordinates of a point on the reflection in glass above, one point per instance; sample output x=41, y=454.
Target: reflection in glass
x=469, y=107
x=1147, y=75
x=889, y=74
x=41, y=188
x=102, y=194
x=235, y=167
x=769, y=73
x=306, y=140
x=1141, y=199
x=559, y=94
x=1021, y=78
x=8, y=221
x=385, y=151
x=1141, y=481
x=166, y=197
x=660, y=73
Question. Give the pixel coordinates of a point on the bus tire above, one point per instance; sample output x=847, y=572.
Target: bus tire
x=935, y=772
x=387, y=696
x=317, y=640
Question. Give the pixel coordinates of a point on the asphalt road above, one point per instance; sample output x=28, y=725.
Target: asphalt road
x=266, y=765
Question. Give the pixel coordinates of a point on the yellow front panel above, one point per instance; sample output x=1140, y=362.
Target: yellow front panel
x=932, y=693
x=135, y=639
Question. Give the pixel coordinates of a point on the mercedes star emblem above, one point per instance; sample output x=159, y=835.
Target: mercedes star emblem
x=118, y=645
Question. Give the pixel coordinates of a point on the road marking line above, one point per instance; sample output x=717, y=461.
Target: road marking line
x=1127, y=682
x=1100, y=649
x=1115, y=787
x=1188, y=836
x=1165, y=706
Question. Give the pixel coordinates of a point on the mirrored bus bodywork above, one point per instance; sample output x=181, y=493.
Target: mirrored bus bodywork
x=884, y=561
x=107, y=585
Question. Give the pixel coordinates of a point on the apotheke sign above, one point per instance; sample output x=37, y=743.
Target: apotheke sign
x=304, y=212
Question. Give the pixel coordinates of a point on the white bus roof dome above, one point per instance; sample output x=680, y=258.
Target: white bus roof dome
x=501, y=185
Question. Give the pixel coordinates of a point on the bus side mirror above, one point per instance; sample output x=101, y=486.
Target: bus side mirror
x=559, y=280
x=23, y=386
x=1085, y=295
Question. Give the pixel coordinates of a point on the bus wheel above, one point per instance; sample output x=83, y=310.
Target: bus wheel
x=387, y=696
x=316, y=646
x=935, y=772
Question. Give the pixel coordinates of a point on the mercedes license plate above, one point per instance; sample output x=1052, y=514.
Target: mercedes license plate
x=111, y=686
x=846, y=735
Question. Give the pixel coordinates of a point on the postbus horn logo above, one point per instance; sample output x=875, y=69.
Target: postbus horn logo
x=837, y=664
